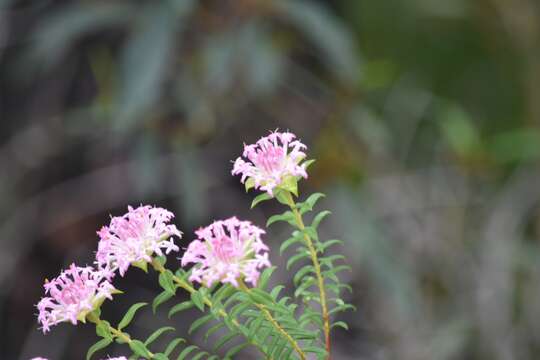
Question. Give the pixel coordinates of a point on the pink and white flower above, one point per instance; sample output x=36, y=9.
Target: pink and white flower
x=272, y=160
x=227, y=251
x=133, y=238
x=72, y=295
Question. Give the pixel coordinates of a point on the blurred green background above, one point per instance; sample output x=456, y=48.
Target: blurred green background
x=423, y=115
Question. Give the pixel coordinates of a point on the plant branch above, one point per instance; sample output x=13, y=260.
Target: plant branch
x=274, y=323
x=317, y=266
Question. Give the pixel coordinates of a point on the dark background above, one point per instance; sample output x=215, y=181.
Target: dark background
x=423, y=115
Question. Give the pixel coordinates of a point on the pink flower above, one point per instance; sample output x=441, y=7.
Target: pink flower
x=72, y=295
x=273, y=160
x=38, y=358
x=133, y=238
x=226, y=251
x=117, y=358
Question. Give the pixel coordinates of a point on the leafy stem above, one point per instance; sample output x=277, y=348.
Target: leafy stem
x=158, y=266
x=317, y=267
x=116, y=333
x=274, y=323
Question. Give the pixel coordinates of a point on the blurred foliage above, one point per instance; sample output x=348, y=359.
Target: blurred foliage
x=423, y=115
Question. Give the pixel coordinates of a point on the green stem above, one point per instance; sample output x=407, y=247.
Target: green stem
x=317, y=266
x=274, y=323
x=93, y=318
x=190, y=289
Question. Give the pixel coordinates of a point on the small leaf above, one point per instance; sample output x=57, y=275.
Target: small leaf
x=160, y=356
x=310, y=202
x=235, y=350
x=166, y=282
x=200, y=322
x=157, y=334
x=287, y=216
x=101, y=344
x=223, y=340
x=139, y=348
x=197, y=299
x=297, y=237
x=303, y=272
x=129, y=315
x=186, y=352
x=265, y=277
x=160, y=299
x=341, y=324
x=102, y=330
x=306, y=164
x=249, y=184
x=181, y=307
x=260, y=198
x=320, y=216
x=295, y=258
x=172, y=345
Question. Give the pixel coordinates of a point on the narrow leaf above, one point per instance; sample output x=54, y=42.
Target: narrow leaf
x=129, y=315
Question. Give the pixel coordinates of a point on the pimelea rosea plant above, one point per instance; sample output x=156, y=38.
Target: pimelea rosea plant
x=225, y=270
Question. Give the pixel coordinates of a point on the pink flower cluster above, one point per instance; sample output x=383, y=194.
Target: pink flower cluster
x=226, y=251
x=135, y=237
x=73, y=294
x=272, y=160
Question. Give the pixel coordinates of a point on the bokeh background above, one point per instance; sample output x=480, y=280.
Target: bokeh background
x=423, y=115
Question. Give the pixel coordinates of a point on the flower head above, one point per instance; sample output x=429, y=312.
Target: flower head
x=72, y=295
x=133, y=238
x=272, y=161
x=227, y=251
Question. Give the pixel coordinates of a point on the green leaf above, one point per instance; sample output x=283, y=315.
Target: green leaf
x=235, y=350
x=290, y=184
x=139, y=348
x=302, y=272
x=129, y=315
x=160, y=356
x=143, y=265
x=199, y=355
x=320, y=216
x=260, y=198
x=310, y=202
x=198, y=300
x=181, y=307
x=103, y=330
x=261, y=297
x=287, y=216
x=249, y=184
x=101, y=344
x=157, y=334
x=265, y=277
x=166, y=281
x=186, y=352
x=341, y=324
x=308, y=163
x=223, y=341
x=311, y=232
x=200, y=322
x=293, y=259
x=282, y=196
x=172, y=345
x=297, y=237
x=160, y=299
x=321, y=247
x=212, y=330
